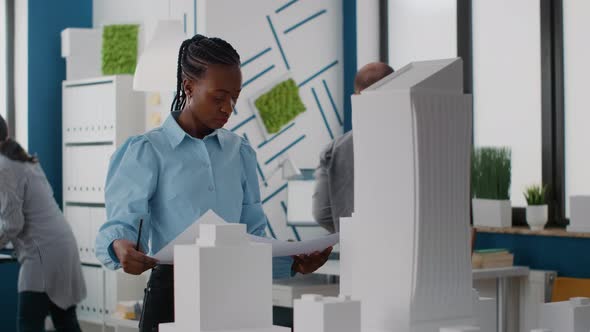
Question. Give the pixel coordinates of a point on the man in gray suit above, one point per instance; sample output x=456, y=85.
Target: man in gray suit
x=333, y=197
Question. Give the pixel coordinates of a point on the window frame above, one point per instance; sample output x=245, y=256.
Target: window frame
x=9, y=37
x=552, y=96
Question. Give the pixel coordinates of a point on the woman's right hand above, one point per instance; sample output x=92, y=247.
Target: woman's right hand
x=133, y=261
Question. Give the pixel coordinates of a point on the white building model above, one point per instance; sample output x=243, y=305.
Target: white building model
x=223, y=283
x=566, y=316
x=315, y=313
x=405, y=251
x=405, y=256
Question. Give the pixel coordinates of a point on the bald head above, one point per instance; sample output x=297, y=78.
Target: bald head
x=370, y=74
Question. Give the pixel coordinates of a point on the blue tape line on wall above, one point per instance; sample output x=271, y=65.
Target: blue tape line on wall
x=323, y=11
x=315, y=96
x=276, y=135
x=276, y=192
x=252, y=117
x=258, y=55
x=321, y=71
x=285, y=6
x=284, y=150
x=257, y=76
x=332, y=102
x=274, y=33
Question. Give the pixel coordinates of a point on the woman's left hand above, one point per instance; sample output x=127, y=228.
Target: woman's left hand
x=305, y=264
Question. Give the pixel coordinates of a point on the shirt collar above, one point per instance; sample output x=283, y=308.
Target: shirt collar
x=176, y=134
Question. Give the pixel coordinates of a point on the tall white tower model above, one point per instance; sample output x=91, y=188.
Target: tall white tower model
x=223, y=283
x=405, y=251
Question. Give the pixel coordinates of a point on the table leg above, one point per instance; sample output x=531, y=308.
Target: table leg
x=501, y=303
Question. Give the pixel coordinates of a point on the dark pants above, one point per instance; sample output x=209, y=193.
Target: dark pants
x=158, y=301
x=33, y=307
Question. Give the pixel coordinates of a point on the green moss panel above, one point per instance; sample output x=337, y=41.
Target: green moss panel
x=119, y=49
x=280, y=105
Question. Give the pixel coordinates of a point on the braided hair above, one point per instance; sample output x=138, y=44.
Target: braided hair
x=194, y=56
x=10, y=148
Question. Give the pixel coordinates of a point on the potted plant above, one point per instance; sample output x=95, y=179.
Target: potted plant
x=490, y=186
x=536, y=210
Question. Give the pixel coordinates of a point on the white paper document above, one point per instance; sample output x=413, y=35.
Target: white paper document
x=286, y=248
x=279, y=248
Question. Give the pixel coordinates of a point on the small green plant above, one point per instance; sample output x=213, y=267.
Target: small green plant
x=280, y=105
x=119, y=49
x=491, y=172
x=536, y=195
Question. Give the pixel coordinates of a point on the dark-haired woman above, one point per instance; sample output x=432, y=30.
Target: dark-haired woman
x=50, y=277
x=170, y=176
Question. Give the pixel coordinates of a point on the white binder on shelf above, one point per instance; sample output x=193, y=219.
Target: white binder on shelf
x=98, y=115
x=97, y=219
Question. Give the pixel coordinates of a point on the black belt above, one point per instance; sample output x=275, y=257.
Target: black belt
x=158, y=301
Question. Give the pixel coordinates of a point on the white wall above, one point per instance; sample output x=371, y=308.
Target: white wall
x=146, y=13
x=367, y=32
x=143, y=12
x=507, y=85
x=421, y=30
x=309, y=48
x=21, y=70
x=576, y=27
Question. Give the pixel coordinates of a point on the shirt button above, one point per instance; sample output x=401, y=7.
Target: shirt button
x=211, y=188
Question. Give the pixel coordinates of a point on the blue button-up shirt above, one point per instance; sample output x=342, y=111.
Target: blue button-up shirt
x=169, y=179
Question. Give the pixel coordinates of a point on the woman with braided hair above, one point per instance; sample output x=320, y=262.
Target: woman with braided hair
x=173, y=174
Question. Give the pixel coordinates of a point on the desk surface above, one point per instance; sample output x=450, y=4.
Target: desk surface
x=503, y=272
x=119, y=322
x=332, y=267
x=6, y=259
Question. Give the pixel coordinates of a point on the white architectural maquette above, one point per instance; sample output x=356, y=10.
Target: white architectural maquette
x=315, y=313
x=208, y=293
x=566, y=316
x=405, y=251
x=579, y=212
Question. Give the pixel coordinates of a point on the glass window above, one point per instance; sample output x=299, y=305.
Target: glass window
x=576, y=53
x=421, y=30
x=507, y=85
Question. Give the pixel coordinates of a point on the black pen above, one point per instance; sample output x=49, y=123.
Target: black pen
x=139, y=234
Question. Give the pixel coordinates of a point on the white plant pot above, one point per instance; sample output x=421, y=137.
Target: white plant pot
x=492, y=213
x=536, y=216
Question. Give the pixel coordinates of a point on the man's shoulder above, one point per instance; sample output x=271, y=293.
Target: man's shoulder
x=343, y=140
x=340, y=148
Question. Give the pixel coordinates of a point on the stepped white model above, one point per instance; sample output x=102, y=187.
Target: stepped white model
x=223, y=283
x=405, y=251
x=315, y=313
x=566, y=316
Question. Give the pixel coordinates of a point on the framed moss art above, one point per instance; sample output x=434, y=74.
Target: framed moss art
x=119, y=49
x=278, y=105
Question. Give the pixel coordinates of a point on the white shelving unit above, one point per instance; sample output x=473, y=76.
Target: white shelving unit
x=98, y=116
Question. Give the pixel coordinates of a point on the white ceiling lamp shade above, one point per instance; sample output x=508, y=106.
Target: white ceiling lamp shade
x=157, y=65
